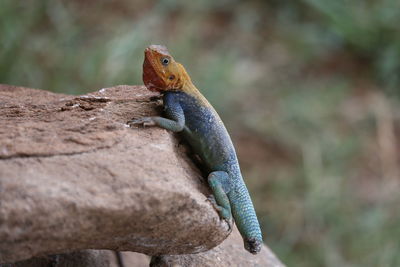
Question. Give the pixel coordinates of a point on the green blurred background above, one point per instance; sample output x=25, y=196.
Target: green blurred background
x=309, y=91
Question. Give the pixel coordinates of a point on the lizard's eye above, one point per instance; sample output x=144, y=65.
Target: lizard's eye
x=165, y=61
x=171, y=77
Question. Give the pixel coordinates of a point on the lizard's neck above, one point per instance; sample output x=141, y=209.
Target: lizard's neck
x=187, y=85
x=190, y=89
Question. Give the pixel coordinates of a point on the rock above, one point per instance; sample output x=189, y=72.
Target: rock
x=131, y=259
x=73, y=176
x=229, y=253
x=84, y=258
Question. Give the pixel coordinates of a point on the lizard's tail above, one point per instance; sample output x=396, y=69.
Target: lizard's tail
x=245, y=217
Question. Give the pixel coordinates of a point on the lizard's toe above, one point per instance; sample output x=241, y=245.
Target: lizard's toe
x=141, y=121
x=223, y=213
x=229, y=222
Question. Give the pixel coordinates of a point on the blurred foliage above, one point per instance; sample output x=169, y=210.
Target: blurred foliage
x=305, y=87
x=369, y=29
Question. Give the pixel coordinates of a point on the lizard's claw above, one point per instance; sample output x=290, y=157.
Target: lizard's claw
x=146, y=121
x=229, y=222
x=221, y=213
x=213, y=202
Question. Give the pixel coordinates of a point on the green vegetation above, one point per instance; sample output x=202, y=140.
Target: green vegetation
x=312, y=86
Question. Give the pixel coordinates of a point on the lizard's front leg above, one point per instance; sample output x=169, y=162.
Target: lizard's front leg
x=220, y=185
x=171, y=125
x=174, y=123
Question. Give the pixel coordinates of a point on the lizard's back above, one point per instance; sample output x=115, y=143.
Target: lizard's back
x=204, y=130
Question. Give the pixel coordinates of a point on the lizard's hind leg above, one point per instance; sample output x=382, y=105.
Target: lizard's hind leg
x=220, y=185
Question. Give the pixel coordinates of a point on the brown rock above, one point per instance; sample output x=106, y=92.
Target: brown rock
x=84, y=258
x=73, y=176
x=130, y=259
x=229, y=253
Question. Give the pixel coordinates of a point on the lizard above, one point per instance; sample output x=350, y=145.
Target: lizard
x=189, y=112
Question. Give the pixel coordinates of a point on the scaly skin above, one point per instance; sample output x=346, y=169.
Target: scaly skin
x=188, y=111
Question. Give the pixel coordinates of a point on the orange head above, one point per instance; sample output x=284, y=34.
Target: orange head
x=161, y=72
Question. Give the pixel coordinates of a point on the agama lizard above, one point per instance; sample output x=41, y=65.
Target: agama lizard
x=188, y=111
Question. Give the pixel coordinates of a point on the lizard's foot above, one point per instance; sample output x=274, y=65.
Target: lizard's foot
x=224, y=214
x=145, y=121
x=230, y=224
x=213, y=202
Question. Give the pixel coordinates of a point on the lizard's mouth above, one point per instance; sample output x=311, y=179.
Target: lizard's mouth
x=151, y=78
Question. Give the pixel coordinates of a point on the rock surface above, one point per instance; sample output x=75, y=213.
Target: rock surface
x=85, y=258
x=229, y=253
x=73, y=176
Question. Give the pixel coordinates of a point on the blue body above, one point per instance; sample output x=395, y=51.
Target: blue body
x=209, y=138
